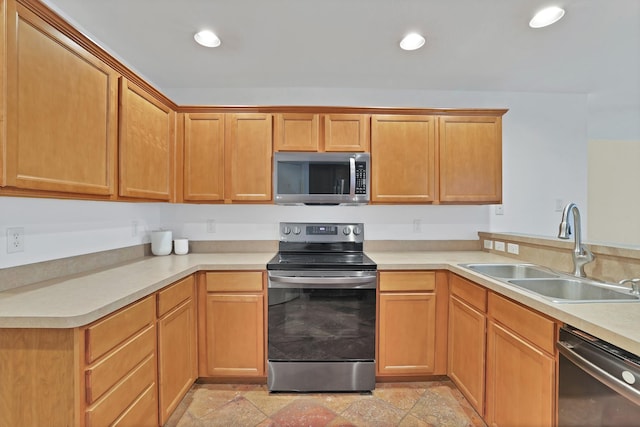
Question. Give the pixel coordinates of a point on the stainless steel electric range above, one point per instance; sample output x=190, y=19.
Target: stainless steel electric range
x=322, y=310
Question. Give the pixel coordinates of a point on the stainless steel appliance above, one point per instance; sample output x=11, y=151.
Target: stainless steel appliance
x=321, y=178
x=599, y=383
x=321, y=310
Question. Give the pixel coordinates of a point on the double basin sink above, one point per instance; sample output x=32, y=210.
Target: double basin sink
x=557, y=287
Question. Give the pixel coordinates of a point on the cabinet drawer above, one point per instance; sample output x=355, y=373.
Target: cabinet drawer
x=143, y=412
x=123, y=396
x=174, y=295
x=469, y=292
x=118, y=364
x=407, y=281
x=532, y=326
x=234, y=281
x=106, y=334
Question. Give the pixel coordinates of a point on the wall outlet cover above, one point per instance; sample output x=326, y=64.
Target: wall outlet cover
x=499, y=246
x=15, y=240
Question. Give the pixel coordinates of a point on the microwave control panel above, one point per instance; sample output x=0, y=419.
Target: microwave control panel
x=361, y=178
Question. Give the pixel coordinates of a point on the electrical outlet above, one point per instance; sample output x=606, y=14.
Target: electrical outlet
x=417, y=225
x=499, y=210
x=134, y=228
x=499, y=246
x=488, y=244
x=513, y=248
x=559, y=205
x=15, y=240
x=211, y=226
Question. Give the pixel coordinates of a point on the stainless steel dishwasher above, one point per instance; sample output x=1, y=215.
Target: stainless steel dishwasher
x=599, y=383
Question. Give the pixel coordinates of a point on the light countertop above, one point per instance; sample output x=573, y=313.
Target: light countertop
x=82, y=299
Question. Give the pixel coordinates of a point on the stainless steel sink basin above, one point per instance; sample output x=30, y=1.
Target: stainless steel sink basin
x=575, y=290
x=557, y=287
x=511, y=271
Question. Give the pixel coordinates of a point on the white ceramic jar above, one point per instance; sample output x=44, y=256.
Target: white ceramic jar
x=181, y=246
x=161, y=242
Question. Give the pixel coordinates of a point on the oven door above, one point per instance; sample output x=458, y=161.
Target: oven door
x=321, y=316
x=321, y=331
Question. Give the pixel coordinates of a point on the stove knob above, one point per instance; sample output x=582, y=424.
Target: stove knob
x=357, y=231
x=346, y=231
x=296, y=230
x=286, y=230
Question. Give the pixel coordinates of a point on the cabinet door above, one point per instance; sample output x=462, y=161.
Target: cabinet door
x=346, y=132
x=407, y=336
x=470, y=159
x=403, y=159
x=204, y=157
x=520, y=381
x=61, y=111
x=467, y=351
x=248, y=157
x=235, y=335
x=177, y=359
x=296, y=132
x=147, y=141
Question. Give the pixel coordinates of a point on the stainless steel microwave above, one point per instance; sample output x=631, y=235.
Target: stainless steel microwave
x=321, y=178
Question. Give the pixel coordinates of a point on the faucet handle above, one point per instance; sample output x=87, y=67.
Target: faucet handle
x=635, y=285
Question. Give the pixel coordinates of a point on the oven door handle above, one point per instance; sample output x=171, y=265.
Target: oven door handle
x=598, y=373
x=322, y=282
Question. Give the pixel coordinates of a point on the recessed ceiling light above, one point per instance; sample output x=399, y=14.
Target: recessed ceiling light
x=412, y=41
x=546, y=17
x=207, y=38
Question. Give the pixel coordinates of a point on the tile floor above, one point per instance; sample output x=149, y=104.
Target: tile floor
x=433, y=403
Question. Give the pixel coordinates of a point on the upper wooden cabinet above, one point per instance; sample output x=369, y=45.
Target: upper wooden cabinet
x=203, y=173
x=297, y=132
x=403, y=158
x=227, y=157
x=429, y=159
x=321, y=132
x=346, y=132
x=470, y=159
x=61, y=111
x=248, y=157
x=147, y=143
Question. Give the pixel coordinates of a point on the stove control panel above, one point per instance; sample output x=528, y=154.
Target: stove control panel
x=321, y=232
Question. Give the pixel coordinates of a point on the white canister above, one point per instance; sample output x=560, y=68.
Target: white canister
x=161, y=242
x=181, y=246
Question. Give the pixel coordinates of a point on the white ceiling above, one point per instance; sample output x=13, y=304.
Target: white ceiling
x=478, y=45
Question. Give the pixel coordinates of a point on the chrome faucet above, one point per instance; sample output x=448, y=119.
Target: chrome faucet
x=635, y=285
x=581, y=254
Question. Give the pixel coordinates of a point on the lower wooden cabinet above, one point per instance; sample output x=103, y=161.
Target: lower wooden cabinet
x=521, y=366
x=121, y=367
x=408, y=321
x=467, y=343
x=231, y=324
x=130, y=368
x=177, y=345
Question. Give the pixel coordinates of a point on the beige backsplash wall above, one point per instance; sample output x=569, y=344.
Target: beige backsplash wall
x=611, y=264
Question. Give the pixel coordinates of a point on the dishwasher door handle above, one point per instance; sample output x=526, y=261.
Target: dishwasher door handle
x=598, y=373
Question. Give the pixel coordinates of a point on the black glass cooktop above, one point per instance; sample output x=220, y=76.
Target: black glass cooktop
x=321, y=260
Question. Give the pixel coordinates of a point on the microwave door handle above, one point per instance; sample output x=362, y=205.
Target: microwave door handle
x=352, y=176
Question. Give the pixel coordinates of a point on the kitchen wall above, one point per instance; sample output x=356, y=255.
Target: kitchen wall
x=544, y=159
x=614, y=205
